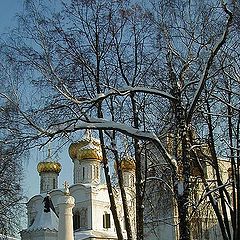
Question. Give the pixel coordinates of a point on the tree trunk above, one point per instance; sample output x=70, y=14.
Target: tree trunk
x=110, y=191
x=183, y=161
x=105, y=161
x=138, y=175
x=139, y=193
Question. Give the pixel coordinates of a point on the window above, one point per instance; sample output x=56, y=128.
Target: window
x=132, y=181
x=96, y=172
x=54, y=183
x=78, y=175
x=76, y=220
x=124, y=224
x=106, y=221
x=80, y=219
x=41, y=184
x=83, y=173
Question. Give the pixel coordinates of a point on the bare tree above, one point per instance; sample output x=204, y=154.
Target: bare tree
x=11, y=156
x=11, y=193
x=117, y=66
x=222, y=117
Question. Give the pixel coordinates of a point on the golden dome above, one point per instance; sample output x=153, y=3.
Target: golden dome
x=90, y=151
x=49, y=167
x=74, y=147
x=126, y=164
x=87, y=148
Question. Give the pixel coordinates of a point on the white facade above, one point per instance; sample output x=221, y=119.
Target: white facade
x=91, y=211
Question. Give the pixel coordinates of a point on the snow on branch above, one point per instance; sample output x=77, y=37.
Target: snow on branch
x=103, y=124
x=216, y=189
x=116, y=92
x=160, y=180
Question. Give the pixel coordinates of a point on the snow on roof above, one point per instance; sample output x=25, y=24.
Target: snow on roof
x=89, y=234
x=44, y=220
x=88, y=146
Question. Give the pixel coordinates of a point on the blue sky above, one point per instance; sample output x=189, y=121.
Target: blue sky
x=8, y=11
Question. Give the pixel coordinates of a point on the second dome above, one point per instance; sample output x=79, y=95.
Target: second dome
x=88, y=148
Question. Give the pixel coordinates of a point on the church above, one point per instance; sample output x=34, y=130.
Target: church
x=80, y=211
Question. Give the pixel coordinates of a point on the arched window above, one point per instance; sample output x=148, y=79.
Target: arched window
x=124, y=224
x=96, y=172
x=127, y=179
x=41, y=184
x=78, y=174
x=132, y=181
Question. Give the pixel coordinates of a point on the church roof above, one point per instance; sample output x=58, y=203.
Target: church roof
x=46, y=218
x=44, y=221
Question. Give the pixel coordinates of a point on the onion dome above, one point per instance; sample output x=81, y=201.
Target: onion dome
x=74, y=147
x=127, y=164
x=90, y=151
x=49, y=166
x=87, y=148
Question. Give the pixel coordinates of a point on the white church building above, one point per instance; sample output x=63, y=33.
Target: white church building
x=80, y=211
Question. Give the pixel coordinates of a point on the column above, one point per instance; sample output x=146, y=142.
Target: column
x=65, y=228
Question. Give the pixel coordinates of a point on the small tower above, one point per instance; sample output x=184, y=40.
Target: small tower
x=86, y=155
x=48, y=171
